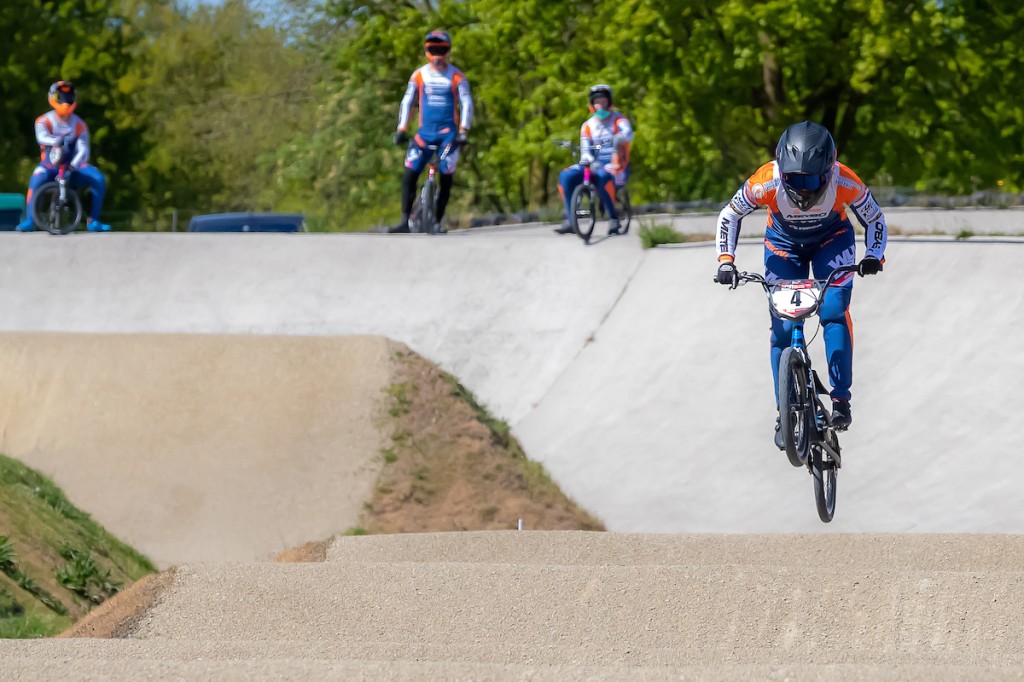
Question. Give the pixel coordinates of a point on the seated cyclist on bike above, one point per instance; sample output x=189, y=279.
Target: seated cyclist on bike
x=61, y=127
x=441, y=92
x=613, y=132
x=806, y=191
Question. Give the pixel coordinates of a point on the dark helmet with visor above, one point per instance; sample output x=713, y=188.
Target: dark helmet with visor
x=600, y=90
x=806, y=155
x=437, y=43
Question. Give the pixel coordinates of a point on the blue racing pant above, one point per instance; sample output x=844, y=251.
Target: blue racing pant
x=605, y=181
x=784, y=259
x=86, y=176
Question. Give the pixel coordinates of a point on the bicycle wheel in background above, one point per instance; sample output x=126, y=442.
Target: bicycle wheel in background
x=428, y=208
x=584, y=211
x=824, y=473
x=624, y=208
x=49, y=214
x=795, y=407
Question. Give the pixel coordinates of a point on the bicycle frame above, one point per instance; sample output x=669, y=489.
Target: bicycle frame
x=428, y=193
x=798, y=314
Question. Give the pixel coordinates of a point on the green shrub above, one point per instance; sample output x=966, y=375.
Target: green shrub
x=653, y=235
x=83, y=576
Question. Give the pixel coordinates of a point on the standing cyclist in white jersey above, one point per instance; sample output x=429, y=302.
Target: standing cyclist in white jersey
x=441, y=92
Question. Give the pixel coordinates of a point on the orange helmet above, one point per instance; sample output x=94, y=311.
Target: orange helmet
x=437, y=45
x=62, y=98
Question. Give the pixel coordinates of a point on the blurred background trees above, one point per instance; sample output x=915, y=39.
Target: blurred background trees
x=289, y=104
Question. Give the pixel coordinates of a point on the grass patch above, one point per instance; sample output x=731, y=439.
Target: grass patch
x=355, y=530
x=56, y=562
x=653, y=235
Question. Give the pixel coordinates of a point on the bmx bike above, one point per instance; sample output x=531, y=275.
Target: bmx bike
x=811, y=439
x=586, y=203
x=56, y=207
x=424, y=212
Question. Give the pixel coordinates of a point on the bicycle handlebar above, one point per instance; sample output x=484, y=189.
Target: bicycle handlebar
x=744, y=277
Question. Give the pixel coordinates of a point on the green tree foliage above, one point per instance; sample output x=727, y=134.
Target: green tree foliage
x=289, y=105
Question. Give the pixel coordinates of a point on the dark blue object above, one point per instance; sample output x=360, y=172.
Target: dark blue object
x=248, y=222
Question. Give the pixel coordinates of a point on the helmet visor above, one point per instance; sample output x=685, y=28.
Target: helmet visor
x=438, y=49
x=803, y=183
x=65, y=95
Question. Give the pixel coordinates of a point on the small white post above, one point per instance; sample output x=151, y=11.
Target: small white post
x=520, y=523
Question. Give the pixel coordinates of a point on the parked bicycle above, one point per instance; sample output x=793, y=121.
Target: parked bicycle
x=424, y=212
x=810, y=438
x=586, y=203
x=56, y=207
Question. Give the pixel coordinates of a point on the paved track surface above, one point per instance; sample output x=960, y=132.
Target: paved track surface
x=643, y=388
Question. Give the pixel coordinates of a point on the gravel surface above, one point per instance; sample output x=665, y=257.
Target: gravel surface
x=572, y=605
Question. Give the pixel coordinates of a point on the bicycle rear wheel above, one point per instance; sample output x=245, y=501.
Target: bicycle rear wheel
x=795, y=407
x=825, y=474
x=49, y=213
x=584, y=211
x=624, y=208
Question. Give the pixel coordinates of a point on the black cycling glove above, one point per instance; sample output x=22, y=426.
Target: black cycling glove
x=869, y=265
x=726, y=274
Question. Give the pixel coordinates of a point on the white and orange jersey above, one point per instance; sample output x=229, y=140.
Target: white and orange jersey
x=443, y=99
x=594, y=131
x=764, y=188
x=51, y=130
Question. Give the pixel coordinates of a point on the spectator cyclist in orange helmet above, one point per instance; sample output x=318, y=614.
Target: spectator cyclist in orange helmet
x=61, y=127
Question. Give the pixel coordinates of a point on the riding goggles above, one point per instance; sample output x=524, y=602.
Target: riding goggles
x=65, y=96
x=804, y=183
x=438, y=50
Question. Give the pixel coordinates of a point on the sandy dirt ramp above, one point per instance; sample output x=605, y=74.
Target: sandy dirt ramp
x=198, y=448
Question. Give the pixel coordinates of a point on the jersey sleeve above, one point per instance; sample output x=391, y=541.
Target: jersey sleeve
x=869, y=213
x=465, y=102
x=81, y=145
x=405, y=109
x=742, y=204
x=44, y=136
x=586, y=139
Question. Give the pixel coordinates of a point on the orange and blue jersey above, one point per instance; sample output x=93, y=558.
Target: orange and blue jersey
x=443, y=98
x=51, y=130
x=787, y=224
x=594, y=131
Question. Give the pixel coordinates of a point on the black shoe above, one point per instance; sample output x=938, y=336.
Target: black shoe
x=399, y=228
x=614, y=227
x=439, y=228
x=566, y=228
x=842, y=416
x=778, y=434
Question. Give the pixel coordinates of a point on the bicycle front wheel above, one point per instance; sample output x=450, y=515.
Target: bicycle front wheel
x=49, y=213
x=584, y=211
x=428, y=208
x=824, y=471
x=795, y=407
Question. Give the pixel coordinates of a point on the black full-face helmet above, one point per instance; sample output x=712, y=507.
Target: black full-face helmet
x=806, y=155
